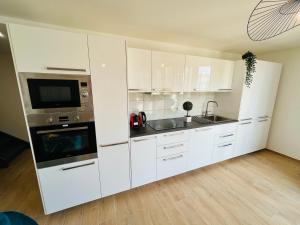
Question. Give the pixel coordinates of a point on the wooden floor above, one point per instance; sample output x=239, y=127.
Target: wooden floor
x=260, y=188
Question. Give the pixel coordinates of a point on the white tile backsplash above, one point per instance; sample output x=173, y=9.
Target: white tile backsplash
x=168, y=105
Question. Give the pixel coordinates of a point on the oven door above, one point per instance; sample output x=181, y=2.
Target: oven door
x=52, y=93
x=60, y=144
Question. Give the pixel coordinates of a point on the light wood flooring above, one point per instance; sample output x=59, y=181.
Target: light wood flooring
x=259, y=188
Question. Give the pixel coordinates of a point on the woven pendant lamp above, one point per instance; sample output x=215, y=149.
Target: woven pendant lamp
x=273, y=17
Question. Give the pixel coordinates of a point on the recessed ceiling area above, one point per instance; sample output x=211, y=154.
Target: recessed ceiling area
x=214, y=24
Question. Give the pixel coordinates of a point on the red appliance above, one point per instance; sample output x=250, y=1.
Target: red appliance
x=134, y=120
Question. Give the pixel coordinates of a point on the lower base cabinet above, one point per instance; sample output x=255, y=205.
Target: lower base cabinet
x=171, y=165
x=68, y=185
x=143, y=160
x=261, y=133
x=200, y=147
x=114, y=169
x=244, y=140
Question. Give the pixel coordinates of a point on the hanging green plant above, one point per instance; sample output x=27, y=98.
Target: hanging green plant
x=250, y=62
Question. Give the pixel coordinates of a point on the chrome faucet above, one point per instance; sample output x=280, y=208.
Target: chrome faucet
x=207, y=106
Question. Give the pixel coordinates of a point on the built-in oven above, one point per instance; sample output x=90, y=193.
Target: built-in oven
x=64, y=143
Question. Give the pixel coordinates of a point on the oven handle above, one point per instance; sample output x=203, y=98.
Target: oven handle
x=61, y=130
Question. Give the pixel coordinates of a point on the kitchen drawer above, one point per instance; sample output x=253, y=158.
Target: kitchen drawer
x=171, y=149
x=172, y=137
x=171, y=165
x=223, y=151
x=225, y=128
x=69, y=185
x=226, y=137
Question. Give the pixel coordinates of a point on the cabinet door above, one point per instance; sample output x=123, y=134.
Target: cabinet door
x=43, y=50
x=69, y=185
x=266, y=84
x=260, y=134
x=198, y=72
x=143, y=160
x=114, y=169
x=171, y=165
x=201, y=148
x=139, y=69
x=222, y=73
x=108, y=69
x=167, y=71
x=244, y=139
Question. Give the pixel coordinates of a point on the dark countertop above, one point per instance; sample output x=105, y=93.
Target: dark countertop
x=144, y=131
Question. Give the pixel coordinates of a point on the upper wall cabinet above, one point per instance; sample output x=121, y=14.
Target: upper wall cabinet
x=43, y=50
x=222, y=73
x=207, y=74
x=167, y=71
x=198, y=72
x=139, y=70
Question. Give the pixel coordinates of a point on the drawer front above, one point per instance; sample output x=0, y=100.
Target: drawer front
x=171, y=149
x=223, y=151
x=172, y=137
x=226, y=137
x=225, y=128
x=171, y=165
x=69, y=185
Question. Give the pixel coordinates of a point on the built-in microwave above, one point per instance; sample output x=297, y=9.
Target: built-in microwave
x=63, y=143
x=47, y=93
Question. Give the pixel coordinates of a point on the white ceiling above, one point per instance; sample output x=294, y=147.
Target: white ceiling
x=213, y=24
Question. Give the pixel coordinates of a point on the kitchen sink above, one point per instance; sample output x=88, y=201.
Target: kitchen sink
x=216, y=119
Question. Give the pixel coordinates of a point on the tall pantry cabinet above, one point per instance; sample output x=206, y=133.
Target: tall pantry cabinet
x=252, y=106
x=108, y=71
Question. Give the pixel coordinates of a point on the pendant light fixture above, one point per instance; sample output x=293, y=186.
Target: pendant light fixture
x=273, y=17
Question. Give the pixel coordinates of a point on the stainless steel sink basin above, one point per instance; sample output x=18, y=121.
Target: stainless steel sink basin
x=216, y=119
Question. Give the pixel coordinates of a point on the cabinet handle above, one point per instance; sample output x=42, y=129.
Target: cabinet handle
x=119, y=143
x=196, y=89
x=222, y=146
x=65, y=69
x=225, y=89
x=199, y=130
x=262, y=117
x=144, y=139
x=262, y=120
x=74, y=167
x=173, y=146
x=228, y=135
x=175, y=157
x=246, y=119
x=174, y=134
x=245, y=123
x=136, y=89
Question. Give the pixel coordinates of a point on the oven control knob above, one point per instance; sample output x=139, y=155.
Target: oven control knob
x=84, y=94
x=50, y=120
x=77, y=117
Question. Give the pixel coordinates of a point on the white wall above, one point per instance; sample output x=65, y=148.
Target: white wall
x=285, y=129
x=11, y=115
x=168, y=105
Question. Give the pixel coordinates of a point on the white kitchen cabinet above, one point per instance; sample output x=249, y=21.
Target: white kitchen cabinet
x=108, y=70
x=143, y=160
x=260, y=134
x=68, y=185
x=43, y=50
x=171, y=165
x=172, y=137
x=244, y=139
x=221, y=75
x=139, y=70
x=167, y=72
x=114, y=169
x=264, y=92
x=198, y=72
x=224, y=142
x=200, y=147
